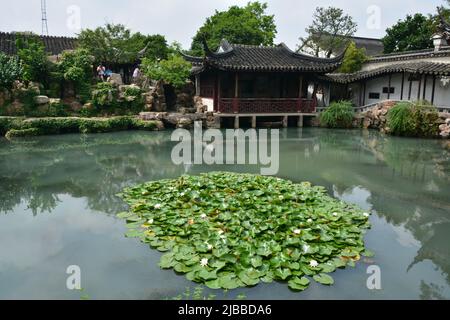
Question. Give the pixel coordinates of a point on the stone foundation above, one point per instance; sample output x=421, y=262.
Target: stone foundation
x=175, y=120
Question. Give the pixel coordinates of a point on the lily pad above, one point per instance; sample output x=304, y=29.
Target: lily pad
x=298, y=284
x=229, y=230
x=323, y=279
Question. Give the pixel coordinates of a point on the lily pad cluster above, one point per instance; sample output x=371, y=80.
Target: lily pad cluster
x=229, y=230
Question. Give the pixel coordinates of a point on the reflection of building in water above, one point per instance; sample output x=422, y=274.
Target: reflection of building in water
x=436, y=248
x=37, y=171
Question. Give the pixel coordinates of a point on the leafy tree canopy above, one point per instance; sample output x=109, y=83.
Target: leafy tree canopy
x=31, y=52
x=244, y=25
x=76, y=65
x=412, y=33
x=329, y=32
x=175, y=70
x=115, y=43
x=353, y=59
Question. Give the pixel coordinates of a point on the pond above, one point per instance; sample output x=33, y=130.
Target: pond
x=58, y=206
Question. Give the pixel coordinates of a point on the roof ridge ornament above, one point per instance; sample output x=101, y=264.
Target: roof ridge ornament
x=206, y=49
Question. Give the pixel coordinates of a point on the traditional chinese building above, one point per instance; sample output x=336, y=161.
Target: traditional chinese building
x=249, y=80
x=404, y=76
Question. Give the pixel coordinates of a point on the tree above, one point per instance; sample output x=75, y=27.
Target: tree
x=329, y=32
x=413, y=33
x=157, y=48
x=115, y=43
x=354, y=59
x=175, y=70
x=76, y=67
x=243, y=25
x=31, y=52
x=10, y=70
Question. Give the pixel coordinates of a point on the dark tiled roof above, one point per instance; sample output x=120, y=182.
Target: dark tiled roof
x=421, y=67
x=53, y=45
x=373, y=46
x=411, y=55
x=233, y=57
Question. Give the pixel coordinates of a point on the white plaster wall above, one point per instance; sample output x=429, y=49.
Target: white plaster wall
x=376, y=86
x=209, y=103
x=441, y=95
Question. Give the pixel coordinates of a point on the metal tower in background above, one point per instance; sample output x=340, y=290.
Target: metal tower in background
x=44, y=17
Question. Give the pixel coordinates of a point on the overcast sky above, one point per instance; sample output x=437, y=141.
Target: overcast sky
x=180, y=19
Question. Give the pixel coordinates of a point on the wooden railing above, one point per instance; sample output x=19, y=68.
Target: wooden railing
x=267, y=105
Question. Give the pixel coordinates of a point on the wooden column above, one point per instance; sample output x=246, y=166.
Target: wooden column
x=433, y=90
x=236, y=94
x=197, y=85
x=410, y=88
x=215, y=93
x=425, y=87
x=360, y=93
x=219, y=88
x=389, y=87
x=420, y=88
x=403, y=84
x=300, y=95
x=254, y=122
x=365, y=92
x=300, y=122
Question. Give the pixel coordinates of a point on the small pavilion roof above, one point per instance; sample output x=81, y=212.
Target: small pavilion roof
x=236, y=57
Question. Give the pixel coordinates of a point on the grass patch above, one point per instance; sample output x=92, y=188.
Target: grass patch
x=338, y=115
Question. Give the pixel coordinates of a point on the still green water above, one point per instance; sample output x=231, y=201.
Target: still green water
x=58, y=206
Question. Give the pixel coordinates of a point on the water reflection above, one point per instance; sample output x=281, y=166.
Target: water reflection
x=404, y=181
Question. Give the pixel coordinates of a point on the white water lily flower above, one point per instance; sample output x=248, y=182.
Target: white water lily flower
x=365, y=214
x=297, y=231
x=158, y=206
x=306, y=248
x=203, y=216
x=204, y=262
x=150, y=221
x=335, y=214
x=313, y=264
x=310, y=221
x=280, y=197
x=210, y=246
x=220, y=232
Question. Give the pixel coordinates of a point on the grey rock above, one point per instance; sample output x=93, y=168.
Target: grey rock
x=41, y=100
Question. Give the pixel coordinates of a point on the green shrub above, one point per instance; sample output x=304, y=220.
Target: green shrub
x=76, y=68
x=338, y=115
x=105, y=95
x=10, y=70
x=399, y=119
x=8, y=123
x=418, y=119
x=26, y=95
x=133, y=100
x=15, y=127
x=14, y=133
